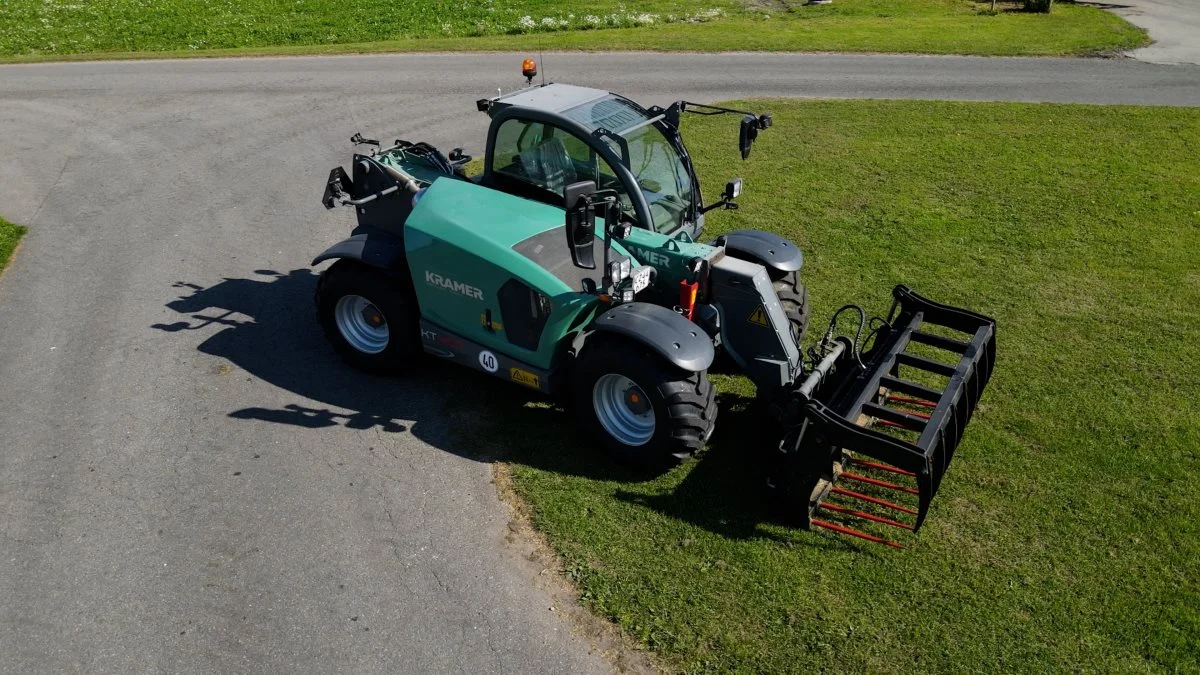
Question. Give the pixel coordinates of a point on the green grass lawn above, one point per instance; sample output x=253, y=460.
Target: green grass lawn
x=1065, y=536
x=54, y=29
x=10, y=234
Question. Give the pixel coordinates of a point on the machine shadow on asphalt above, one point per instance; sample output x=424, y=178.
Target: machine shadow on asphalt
x=265, y=325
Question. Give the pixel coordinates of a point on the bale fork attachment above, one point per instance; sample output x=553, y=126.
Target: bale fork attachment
x=893, y=415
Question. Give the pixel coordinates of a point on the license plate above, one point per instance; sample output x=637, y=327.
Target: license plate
x=641, y=278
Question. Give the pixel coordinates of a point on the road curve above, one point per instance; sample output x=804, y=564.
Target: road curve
x=189, y=481
x=1174, y=26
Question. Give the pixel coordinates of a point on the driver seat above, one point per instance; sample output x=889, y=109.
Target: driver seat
x=548, y=165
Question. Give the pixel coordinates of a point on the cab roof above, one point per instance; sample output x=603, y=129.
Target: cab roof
x=554, y=97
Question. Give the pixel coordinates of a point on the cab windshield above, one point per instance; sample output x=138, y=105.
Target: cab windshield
x=653, y=160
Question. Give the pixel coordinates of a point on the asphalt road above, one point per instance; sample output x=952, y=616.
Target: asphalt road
x=189, y=480
x=1174, y=25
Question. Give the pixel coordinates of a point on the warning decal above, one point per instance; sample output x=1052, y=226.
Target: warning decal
x=525, y=377
x=759, y=317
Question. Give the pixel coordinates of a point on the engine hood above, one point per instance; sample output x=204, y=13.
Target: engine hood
x=494, y=225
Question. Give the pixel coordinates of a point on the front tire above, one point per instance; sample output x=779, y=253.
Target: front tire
x=643, y=410
x=793, y=297
x=369, y=318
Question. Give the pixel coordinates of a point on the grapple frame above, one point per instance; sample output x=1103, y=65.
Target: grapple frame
x=895, y=404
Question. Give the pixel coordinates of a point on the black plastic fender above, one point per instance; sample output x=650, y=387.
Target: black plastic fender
x=770, y=250
x=672, y=336
x=375, y=249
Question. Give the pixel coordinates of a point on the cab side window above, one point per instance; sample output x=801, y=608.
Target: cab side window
x=512, y=138
x=543, y=156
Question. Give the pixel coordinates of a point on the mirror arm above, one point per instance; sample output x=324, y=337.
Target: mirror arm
x=607, y=245
x=727, y=203
x=689, y=107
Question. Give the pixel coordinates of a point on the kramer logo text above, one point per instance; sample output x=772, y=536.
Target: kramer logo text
x=435, y=279
x=651, y=257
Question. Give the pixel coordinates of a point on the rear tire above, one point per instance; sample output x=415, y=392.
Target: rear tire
x=643, y=410
x=369, y=317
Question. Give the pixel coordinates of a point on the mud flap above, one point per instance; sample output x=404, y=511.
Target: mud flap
x=896, y=417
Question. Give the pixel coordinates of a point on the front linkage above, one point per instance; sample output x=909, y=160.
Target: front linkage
x=894, y=413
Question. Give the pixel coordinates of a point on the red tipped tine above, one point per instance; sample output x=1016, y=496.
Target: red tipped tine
x=873, y=500
x=853, y=533
x=865, y=516
x=882, y=467
x=878, y=483
x=912, y=401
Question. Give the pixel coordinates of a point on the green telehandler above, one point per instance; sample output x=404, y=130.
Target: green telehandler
x=499, y=273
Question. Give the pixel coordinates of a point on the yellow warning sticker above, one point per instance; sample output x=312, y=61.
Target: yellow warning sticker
x=759, y=317
x=525, y=377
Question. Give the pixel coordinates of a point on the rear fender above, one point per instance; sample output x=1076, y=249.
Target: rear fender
x=769, y=250
x=380, y=250
x=671, y=336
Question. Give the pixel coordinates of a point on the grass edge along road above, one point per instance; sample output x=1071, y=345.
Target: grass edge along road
x=10, y=237
x=864, y=26
x=1065, y=533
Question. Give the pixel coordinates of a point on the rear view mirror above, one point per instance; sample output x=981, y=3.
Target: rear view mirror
x=751, y=125
x=749, y=132
x=580, y=223
x=733, y=189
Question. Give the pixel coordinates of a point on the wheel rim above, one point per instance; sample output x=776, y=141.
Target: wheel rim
x=361, y=324
x=623, y=409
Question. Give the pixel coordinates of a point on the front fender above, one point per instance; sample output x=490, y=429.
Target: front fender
x=673, y=337
x=376, y=249
x=769, y=250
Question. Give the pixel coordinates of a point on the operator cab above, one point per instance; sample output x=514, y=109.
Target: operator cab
x=544, y=138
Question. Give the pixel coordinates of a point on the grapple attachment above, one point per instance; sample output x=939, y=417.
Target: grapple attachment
x=886, y=422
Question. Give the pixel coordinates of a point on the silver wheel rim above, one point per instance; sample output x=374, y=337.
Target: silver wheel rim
x=361, y=324
x=623, y=409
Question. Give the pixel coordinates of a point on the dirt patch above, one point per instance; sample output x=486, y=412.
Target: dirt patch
x=769, y=5
x=4, y=265
x=603, y=635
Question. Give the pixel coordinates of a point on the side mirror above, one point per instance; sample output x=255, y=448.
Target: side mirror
x=580, y=223
x=733, y=189
x=748, y=133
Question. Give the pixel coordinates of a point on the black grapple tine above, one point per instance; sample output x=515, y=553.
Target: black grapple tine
x=838, y=416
